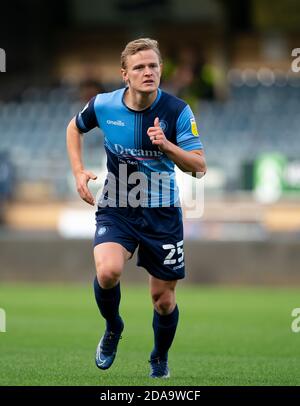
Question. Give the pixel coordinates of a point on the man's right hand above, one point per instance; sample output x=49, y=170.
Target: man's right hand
x=82, y=179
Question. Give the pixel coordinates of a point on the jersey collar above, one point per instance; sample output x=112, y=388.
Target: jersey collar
x=148, y=108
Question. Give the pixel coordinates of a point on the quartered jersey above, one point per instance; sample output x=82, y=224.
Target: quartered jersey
x=136, y=166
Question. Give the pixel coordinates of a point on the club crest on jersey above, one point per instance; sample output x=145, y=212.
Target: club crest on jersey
x=163, y=125
x=102, y=230
x=194, y=127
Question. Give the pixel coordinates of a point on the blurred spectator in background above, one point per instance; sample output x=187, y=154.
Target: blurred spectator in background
x=188, y=76
x=89, y=88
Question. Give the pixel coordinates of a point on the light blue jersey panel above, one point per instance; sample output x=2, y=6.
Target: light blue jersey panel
x=115, y=120
x=186, y=131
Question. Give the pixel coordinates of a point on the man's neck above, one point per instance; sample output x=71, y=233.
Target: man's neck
x=139, y=101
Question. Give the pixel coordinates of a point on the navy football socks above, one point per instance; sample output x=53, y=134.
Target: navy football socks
x=164, y=327
x=108, y=301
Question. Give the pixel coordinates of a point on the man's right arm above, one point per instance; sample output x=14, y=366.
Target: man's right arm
x=82, y=176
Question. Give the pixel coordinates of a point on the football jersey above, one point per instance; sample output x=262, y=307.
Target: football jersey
x=135, y=166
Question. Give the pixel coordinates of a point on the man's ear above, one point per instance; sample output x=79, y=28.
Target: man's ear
x=161, y=68
x=124, y=75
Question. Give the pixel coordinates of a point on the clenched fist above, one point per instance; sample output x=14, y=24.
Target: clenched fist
x=157, y=136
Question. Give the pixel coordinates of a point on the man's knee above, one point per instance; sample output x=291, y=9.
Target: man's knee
x=108, y=271
x=164, y=302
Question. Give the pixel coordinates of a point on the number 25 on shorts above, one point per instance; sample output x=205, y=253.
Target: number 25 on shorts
x=170, y=260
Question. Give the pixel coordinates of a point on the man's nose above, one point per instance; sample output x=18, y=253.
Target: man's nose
x=147, y=71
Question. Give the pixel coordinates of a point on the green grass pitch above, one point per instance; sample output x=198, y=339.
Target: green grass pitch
x=226, y=336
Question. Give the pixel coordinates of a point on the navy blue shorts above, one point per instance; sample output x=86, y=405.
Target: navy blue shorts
x=158, y=233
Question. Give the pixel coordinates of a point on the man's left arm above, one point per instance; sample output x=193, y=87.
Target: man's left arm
x=187, y=161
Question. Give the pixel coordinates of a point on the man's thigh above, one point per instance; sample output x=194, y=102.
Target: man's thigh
x=111, y=250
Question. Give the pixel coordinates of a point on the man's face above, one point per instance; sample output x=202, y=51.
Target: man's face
x=143, y=71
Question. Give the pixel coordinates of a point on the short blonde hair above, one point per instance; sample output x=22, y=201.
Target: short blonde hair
x=141, y=44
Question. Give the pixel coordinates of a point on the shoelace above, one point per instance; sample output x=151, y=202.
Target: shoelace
x=110, y=342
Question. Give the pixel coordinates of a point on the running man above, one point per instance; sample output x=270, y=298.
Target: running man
x=146, y=132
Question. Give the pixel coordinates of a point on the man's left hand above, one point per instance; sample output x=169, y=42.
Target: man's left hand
x=158, y=137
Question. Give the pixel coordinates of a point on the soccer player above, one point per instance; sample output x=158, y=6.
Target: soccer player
x=146, y=132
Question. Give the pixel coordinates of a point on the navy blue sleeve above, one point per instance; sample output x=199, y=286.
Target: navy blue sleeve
x=86, y=119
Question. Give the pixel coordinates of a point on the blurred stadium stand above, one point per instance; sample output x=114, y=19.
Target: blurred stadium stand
x=257, y=118
x=59, y=56
x=6, y=183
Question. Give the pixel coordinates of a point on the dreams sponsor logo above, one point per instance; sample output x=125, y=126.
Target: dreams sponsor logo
x=136, y=152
